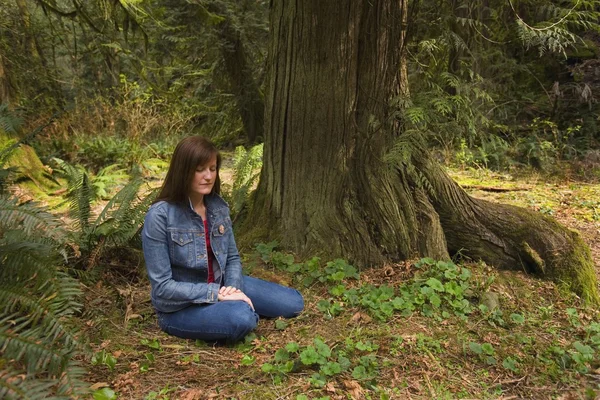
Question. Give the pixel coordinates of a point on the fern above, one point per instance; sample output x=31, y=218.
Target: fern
x=117, y=225
x=37, y=300
x=9, y=123
x=245, y=174
x=14, y=386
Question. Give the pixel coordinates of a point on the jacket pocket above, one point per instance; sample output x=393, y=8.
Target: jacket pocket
x=182, y=248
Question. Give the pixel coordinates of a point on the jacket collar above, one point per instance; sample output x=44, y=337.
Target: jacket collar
x=213, y=202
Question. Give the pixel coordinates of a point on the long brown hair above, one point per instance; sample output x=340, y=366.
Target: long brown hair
x=191, y=152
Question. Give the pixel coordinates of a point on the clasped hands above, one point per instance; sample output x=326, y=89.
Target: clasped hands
x=229, y=293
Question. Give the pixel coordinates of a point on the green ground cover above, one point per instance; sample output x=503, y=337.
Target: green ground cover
x=420, y=329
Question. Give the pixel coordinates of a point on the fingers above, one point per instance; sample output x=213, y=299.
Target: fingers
x=228, y=290
x=237, y=295
x=247, y=300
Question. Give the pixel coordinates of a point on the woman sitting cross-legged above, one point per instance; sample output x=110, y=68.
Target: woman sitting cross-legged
x=198, y=289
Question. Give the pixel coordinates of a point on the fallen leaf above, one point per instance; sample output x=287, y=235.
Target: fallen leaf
x=99, y=385
x=361, y=317
x=192, y=394
x=173, y=346
x=354, y=389
x=388, y=270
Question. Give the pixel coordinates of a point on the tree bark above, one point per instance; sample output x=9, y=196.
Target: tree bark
x=247, y=94
x=329, y=125
x=6, y=89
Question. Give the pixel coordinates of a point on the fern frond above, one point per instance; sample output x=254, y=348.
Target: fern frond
x=36, y=303
x=247, y=164
x=9, y=122
x=79, y=192
x=123, y=216
x=46, y=309
x=30, y=218
x=20, y=343
x=71, y=383
x=14, y=385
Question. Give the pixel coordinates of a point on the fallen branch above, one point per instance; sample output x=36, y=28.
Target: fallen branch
x=494, y=189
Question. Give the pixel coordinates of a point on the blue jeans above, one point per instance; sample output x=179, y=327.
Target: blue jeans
x=232, y=320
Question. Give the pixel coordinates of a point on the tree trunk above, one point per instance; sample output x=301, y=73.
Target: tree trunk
x=325, y=188
x=6, y=90
x=249, y=100
x=247, y=94
x=403, y=87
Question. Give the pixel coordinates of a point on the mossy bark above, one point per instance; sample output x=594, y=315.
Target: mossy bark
x=324, y=188
x=511, y=237
x=28, y=164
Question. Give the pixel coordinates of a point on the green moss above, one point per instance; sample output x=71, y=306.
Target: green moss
x=577, y=272
x=249, y=236
x=535, y=257
x=29, y=165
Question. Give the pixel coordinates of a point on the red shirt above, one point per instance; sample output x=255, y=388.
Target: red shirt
x=209, y=254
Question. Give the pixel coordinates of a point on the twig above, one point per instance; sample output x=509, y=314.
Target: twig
x=493, y=188
x=546, y=28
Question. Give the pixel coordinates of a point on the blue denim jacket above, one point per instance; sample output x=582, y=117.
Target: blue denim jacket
x=175, y=253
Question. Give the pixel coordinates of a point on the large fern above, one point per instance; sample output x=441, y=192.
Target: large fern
x=115, y=226
x=38, y=342
x=247, y=165
x=9, y=122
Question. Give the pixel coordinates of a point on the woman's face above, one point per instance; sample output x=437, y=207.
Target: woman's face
x=204, y=178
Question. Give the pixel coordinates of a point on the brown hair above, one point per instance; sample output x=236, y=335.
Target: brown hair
x=191, y=152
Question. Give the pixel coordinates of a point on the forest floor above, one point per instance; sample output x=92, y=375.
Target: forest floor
x=502, y=335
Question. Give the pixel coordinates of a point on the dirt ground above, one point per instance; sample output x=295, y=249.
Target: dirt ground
x=431, y=362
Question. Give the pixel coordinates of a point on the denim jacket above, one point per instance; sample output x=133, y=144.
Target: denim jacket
x=175, y=253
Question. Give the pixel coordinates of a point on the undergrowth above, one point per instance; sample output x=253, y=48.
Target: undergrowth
x=426, y=329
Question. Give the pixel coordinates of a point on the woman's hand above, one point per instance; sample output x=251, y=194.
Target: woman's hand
x=237, y=295
x=227, y=290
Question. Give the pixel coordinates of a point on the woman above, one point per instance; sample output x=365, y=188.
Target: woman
x=198, y=289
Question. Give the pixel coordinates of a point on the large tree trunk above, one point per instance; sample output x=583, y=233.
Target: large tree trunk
x=247, y=94
x=324, y=186
x=6, y=90
x=244, y=85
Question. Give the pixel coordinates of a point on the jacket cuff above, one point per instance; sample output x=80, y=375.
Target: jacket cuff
x=212, y=294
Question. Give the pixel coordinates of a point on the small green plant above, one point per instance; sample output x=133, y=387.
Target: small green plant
x=485, y=352
x=247, y=359
x=511, y=364
x=104, y=358
x=573, y=317
x=162, y=394
x=582, y=355
x=439, y=290
x=324, y=360
x=154, y=344
x=147, y=363
x=281, y=324
x=335, y=271
x=104, y=394
x=517, y=319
